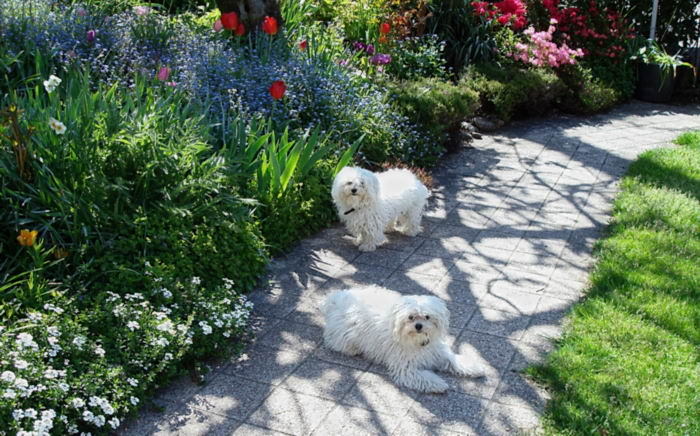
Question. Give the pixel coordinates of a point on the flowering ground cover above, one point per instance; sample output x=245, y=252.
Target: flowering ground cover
x=150, y=162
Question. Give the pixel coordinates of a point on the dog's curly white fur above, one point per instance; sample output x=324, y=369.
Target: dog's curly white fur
x=404, y=333
x=370, y=204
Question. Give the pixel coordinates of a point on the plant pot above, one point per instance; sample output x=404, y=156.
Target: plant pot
x=653, y=85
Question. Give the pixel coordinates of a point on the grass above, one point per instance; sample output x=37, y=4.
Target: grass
x=629, y=363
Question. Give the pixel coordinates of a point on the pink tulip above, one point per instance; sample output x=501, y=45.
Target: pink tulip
x=163, y=74
x=218, y=27
x=91, y=36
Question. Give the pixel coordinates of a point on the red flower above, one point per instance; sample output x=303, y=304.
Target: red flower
x=480, y=8
x=229, y=20
x=303, y=45
x=515, y=7
x=240, y=30
x=269, y=26
x=384, y=28
x=278, y=89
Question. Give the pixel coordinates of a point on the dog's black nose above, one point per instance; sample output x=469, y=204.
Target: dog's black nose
x=419, y=326
x=354, y=190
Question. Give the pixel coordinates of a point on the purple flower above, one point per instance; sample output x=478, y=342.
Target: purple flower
x=91, y=36
x=380, y=59
x=370, y=49
x=359, y=46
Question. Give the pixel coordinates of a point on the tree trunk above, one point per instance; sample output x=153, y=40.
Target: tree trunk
x=252, y=12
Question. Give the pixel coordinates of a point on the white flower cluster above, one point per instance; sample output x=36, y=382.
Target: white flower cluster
x=41, y=424
x=51, y=84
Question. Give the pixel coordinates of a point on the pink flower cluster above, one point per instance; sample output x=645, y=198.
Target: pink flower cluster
x=540, y=51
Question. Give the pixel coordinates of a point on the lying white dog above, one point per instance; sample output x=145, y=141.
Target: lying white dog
x=370, y=204
x=404, y=333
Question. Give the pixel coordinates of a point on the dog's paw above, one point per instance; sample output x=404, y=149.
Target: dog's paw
x=423, y=381
x=465, y=368
x=433, y=384
x=367, y=247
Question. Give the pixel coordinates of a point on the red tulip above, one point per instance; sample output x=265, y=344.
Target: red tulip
x=229, y=20
x=385, y=28
x=303, y=45
x=278, y=89
x=269, y=26
x=240, y=30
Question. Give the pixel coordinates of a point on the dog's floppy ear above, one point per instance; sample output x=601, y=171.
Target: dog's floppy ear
x=372, y=183
x=438, y=310
x=340, y=178
x=398, y=313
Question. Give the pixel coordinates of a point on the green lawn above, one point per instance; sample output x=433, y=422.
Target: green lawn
x=630, y=361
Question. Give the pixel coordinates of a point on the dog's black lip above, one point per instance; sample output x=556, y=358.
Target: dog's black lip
x=350, y=211
x=426, y=342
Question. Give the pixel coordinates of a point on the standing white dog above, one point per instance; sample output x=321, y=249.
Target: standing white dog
x=404, y=333
x=370, y=204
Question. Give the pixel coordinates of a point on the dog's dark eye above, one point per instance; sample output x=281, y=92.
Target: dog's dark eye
x=427, y=316
x=349, y=183
x=410, y=317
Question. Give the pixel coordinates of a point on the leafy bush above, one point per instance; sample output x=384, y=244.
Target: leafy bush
x=417, y=57
x=588, y=94
x=509, y=91
x=85, y=367
x=135, y=228
x=437, y=106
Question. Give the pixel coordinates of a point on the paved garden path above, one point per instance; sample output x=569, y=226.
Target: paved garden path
x=507, y=243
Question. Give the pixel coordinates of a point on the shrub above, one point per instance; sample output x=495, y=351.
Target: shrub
x=588, y=94
x=437, y=106
x=417, y=57
x=511, y=92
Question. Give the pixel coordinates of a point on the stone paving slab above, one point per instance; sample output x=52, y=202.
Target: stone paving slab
x=507, y=244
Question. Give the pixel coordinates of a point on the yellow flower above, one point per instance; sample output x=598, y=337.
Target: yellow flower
x=26, y=237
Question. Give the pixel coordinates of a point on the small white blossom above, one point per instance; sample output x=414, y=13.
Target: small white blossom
x=168, y=356
x=114, y=422
x=88, y=416
x=53, y=308
x=18, y=414
x=100, y=351
x=51, y=373
x=10, y=394
x=79, y=341
x=132, y=381
x=64, y=386
x=206, y=328
x=21, y=384
x=196, y=280
x=77, y=403
x=134, y=400
x=25, y=340
x=57, y=126
x=7, y=376
x=73, y=429
x=53, y=331
x=51, y=84
x=21, y=364
x=99, y=421
x=30, y=413
x=132, y=325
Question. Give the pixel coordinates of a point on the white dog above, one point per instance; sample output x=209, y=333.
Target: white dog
x=404, y=333
x=370, y=204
